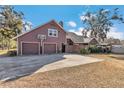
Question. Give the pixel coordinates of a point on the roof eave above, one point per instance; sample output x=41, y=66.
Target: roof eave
x=38, y=27
x=80, y=42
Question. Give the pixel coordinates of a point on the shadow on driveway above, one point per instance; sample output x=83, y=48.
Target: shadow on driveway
x=15, y=67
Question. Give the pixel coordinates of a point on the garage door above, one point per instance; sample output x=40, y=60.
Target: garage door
x=49, y=48
x=30, y=48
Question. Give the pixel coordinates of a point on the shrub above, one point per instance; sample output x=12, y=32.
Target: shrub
x=94, y=49
x=12, y=53
x=108, y=51
x=84, y=51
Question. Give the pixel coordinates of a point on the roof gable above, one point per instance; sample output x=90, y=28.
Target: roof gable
x=93, y=40
x=79, y=39
x=75, y=38
x=52, y=21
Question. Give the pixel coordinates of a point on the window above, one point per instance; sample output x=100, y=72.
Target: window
x=52, y=33
x=69, y=41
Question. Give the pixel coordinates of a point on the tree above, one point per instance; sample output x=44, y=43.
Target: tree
x=27, y=25
x=84, y=32
x=10, y=23
x=100, y=22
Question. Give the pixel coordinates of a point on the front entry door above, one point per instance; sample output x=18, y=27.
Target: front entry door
x=40, y=49
x=63, y=48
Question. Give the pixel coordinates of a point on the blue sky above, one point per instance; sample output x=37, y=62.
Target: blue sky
x=70, y=15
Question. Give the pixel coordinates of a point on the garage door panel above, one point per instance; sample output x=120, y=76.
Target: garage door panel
x=49, y=48
x=29, y=48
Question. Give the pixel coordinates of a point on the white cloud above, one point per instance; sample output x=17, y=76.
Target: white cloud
x=83, y=17
x=105, y=11
x=92, y=17
x=27, y=25
x=115, y=33
x=80, y=29
x=86, y=9
x=71, y=30
x=72, y=23
x=77, y=31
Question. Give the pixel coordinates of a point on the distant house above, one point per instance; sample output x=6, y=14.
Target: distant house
x=51, y=38
x=119, y=49
x=122, y=42
x=113, y=41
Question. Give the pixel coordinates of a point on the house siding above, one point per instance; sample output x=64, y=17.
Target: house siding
x=75, y=48
x=93, y=42
x=58, y=41
x=32, y=36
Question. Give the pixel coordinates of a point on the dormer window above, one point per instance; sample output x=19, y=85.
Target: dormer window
x=52, y=33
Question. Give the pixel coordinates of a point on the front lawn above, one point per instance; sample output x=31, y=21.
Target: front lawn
x=102, y=74
x=4, y=52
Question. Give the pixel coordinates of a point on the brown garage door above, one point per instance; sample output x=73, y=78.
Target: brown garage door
x=49, y=48
x=30, y=48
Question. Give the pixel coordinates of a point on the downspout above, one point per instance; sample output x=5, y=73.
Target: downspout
x=17, y=47
x=41, y=46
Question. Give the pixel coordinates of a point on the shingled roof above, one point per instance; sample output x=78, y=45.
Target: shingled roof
x=78, y=39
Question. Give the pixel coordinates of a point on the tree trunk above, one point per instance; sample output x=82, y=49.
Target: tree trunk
x=8, y=44
x=2, y=43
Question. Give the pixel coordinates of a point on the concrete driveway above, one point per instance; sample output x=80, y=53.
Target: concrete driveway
x=14, y=67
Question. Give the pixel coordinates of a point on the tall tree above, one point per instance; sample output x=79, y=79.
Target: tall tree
x=11, y=23
x=100, y=22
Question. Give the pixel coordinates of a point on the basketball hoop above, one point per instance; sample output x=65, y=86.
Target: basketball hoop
x=41, y=37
